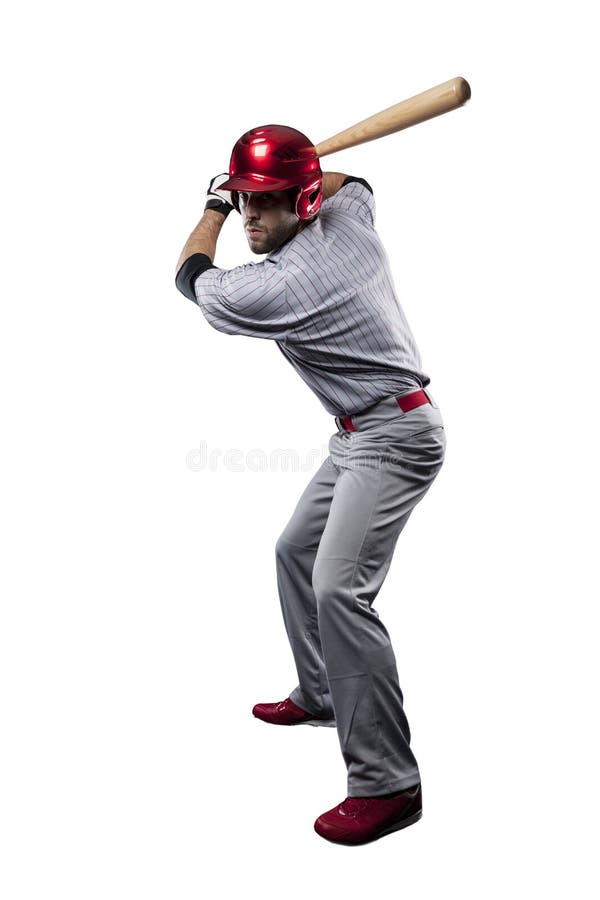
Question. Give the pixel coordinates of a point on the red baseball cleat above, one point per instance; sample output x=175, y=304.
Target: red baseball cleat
x=287, y=713
x=358, y=820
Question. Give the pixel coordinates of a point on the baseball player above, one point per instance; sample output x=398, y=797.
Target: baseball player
x=324, y=294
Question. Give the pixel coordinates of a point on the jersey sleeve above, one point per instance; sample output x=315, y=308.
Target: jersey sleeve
x=250, y=300
x=355, y=198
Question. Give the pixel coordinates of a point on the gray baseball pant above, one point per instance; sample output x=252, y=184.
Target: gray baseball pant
x=332, y=558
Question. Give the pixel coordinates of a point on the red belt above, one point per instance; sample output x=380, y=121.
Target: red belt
x=406, y=403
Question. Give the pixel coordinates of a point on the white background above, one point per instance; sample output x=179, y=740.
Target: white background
x=140, y=615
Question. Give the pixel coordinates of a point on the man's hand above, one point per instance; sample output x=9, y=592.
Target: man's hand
x=216, y=199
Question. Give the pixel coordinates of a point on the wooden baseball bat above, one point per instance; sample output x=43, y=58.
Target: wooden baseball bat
x=434, y=102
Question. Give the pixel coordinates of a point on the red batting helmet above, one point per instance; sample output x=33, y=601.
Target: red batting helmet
x=275, y=158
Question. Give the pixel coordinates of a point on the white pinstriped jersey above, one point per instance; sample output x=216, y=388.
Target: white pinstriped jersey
x=327, y=299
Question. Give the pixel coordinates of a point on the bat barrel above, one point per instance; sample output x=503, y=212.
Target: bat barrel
x=434, y=102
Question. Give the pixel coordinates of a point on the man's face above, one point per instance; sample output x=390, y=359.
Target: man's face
x=268, y=219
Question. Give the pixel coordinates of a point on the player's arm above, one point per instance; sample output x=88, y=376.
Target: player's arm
x=199, y=250
x=333, y=181
x=203, y=238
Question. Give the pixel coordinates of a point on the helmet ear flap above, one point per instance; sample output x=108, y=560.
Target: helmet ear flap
x=294, y=194
x=309, y=200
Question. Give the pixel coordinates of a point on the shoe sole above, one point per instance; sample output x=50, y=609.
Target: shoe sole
x=317, y=723
x=397, y=827
x=320, y=723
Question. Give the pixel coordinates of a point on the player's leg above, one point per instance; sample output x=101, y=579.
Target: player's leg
x=295, y=552
x=382, y=478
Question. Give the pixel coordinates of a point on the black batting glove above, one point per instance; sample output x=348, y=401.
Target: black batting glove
x=216, y=199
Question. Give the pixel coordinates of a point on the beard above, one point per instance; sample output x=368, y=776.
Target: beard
x=266, y=241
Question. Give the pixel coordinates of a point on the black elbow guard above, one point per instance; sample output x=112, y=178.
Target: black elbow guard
x=186, y=276
x=362, y=181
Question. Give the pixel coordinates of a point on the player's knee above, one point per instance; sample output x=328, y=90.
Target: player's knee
x=327, y=581
x=285, y=550
x=282, y=549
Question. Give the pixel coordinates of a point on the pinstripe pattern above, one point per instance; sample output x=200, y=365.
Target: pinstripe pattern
x=327, y=299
